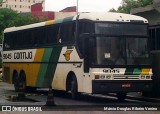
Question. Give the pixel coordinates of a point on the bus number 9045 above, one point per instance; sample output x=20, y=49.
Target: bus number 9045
x=7, y=56
x=111, y=70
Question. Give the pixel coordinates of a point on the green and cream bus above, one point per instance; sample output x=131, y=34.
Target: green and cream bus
x=94, y=53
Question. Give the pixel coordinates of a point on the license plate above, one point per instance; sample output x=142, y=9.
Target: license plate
x=126, y=85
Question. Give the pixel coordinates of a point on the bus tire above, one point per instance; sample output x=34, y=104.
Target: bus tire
x=121, y=96
x=74, y=88
x=22, y=80
x=15, y=81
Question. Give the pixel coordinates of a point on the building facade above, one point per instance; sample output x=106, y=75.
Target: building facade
x=150, y=12
x=20, y=6
x=38, y=12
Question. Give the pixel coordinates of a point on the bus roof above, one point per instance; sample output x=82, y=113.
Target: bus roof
x=108, y=16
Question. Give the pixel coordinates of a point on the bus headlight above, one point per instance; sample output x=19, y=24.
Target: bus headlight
x=108, y=77
x=102, y=77
x=148, y=77
x=96, y=76
x=142, y=77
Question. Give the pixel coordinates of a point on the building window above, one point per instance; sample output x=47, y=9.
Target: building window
x=20, y=6
x=15, y=0
x=29, y=7
x=28, y=0
x=15, y=6
x=6, y=5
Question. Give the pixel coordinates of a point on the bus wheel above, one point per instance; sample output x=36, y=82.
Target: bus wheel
x=121, y=96
x=22, y=81
x=74, y=88
x=15, y=81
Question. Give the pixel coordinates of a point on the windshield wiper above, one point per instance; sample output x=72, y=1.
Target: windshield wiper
x=130, y=52
x=133, y=55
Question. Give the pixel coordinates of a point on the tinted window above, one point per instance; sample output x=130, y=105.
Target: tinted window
x=39, y=36
x=121, y=29
x=158, y=38
x=67, y=32
x=28, y=37
x=85, y=27
x=8, y=41
x=52, y=34
x=18, y=39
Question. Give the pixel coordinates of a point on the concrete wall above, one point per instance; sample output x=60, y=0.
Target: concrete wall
x=153, y=16
x=150, y=12
x=37, y=12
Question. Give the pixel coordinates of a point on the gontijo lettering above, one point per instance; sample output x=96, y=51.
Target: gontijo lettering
x=18, y=55
x=23, y=55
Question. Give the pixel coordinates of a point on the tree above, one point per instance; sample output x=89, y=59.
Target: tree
x=112, y=10
x=127, y=5
x=9, y=18
x=25, y=20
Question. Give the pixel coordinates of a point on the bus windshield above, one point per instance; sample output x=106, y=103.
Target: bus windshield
x=121, y=51
x=123, y=47
x=121, y=29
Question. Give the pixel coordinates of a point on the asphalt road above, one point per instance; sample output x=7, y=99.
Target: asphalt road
x=85, y=103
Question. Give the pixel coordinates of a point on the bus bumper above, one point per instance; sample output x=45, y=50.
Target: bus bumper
x=106, y=86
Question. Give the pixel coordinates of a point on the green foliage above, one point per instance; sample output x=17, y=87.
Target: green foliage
x=25, y=20
x=112, y=10
x=127, y=5
x=10, y=18
x=7, y=18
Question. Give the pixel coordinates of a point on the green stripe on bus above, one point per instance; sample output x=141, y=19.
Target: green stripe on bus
x=58, y=21
x=68, y=19
x=137, y=71
x=52, y=67
x=64, y=20
x=43, y=67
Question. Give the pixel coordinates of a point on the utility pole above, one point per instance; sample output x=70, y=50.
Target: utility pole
x=77, y=8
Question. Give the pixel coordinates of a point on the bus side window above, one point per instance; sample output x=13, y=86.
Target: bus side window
x=8, y=41
x=39, y=36
x=28, y=39
x=42, y=36
x=153, y=39
x=52, y=34
x=158, y=38
x=19, y=39
x=14, y=36
x=67, y=32
x=84, y=27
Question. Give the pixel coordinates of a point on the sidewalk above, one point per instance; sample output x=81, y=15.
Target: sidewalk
x=139, y=96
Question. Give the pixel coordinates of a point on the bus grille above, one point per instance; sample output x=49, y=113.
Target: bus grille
x=126, y=77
